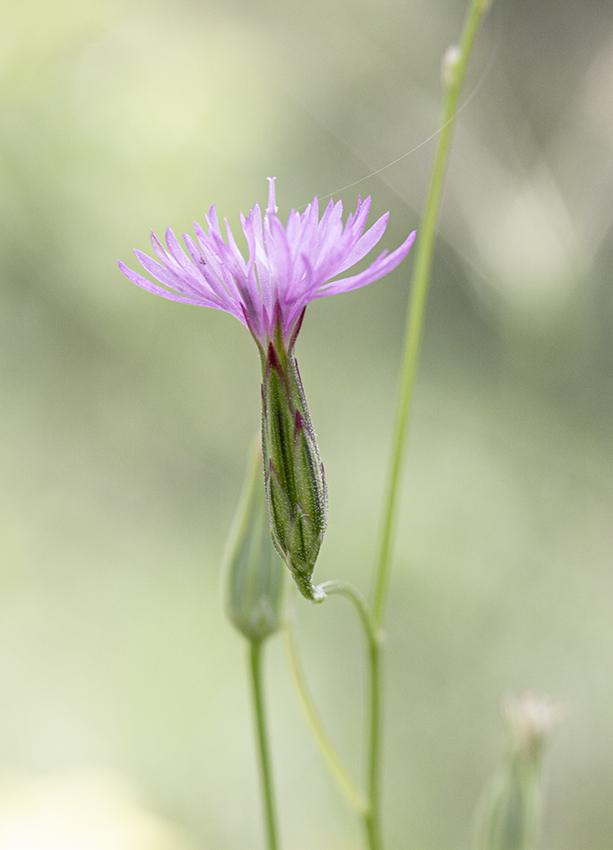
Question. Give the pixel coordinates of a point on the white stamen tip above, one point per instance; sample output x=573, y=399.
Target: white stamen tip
x=271, y=209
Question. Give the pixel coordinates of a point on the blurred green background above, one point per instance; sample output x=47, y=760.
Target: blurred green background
x=126, y=418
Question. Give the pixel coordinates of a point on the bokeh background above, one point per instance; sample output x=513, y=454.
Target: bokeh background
x=126, y=419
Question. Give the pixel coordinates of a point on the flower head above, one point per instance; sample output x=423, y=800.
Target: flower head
x=286, y=268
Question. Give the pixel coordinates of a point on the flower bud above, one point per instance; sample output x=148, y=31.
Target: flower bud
x=293, y=471
x=254, y=571
x=511, y=808
x=450, y=65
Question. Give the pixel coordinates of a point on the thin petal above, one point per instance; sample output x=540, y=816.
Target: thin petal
x=366, y=243
x=384, y=264
x=145, y=283
x=170, y=278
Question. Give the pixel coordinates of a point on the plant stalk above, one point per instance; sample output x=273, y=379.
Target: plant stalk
x=454, y=71
x=371, y=813
x=266, y=784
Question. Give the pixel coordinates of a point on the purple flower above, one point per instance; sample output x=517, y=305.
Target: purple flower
x=287, y=267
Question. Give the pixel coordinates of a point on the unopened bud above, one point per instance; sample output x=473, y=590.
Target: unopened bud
x=293, y=471
x=530, y=720
x=254, y=571
x=510, y=810
x=451, y=61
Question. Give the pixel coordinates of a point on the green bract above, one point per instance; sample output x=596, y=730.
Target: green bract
x=293, y=471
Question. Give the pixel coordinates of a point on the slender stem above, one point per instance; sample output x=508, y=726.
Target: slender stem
x=455, y=64
x=270, y=821
x=335, y=766
x=343, y=588
x=454, y=72
x=373, y=820
x=371, y=814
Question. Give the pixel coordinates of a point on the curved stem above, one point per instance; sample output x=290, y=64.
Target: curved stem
x=371, y=814
x=343, y=588
x=343, y=780
x=270, y=821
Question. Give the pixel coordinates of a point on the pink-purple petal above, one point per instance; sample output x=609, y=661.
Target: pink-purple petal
x=384, y=264
x=365, y=243
x=145, y=283
x=286, y=267
x=166, y=276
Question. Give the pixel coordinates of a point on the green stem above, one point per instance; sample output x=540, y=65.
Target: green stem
x=335, y=766
x=255, y=667
x=454, y=73
x=372, y=822
x=342, y=588
x=455, y=66
x=371, y=813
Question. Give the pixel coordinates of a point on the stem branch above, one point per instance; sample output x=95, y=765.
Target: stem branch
x=335, y=766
